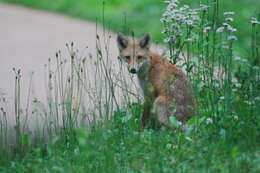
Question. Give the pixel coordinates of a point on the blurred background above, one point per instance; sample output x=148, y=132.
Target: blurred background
x=144, y=16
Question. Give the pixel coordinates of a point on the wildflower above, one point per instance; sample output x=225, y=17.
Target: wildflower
x=204, y=7
x=256, y=68
x=164, y=31
x=229, y=13
x=237, y=58
x=254, y=21
x=220, y=29
x=166, y=40
x=257, y=98
x=170, y=39
x=244, y=61
x=235, y=117
x=225, y=24
x=229, y=19
x=172, y=3
x=232, y=38
x=178, y=17
x=249, y=103
x=236, y=83
x=164, y=19
x=206, y=29
x=209, y=121
x=189, y=22
x=169, y=146
x=221, y=97
x=175, y=19
x=231, y=29
x=189, y=39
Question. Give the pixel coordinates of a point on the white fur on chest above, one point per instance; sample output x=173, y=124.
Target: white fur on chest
x=143, y=75
x=142, y=83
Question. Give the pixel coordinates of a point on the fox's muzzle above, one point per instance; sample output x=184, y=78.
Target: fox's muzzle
x=133, y=70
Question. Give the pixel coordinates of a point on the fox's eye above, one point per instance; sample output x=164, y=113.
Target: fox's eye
x=127, y=57
x=139, y=57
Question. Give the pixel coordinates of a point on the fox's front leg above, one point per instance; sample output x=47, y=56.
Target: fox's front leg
x=146, y=113
x=149, y=96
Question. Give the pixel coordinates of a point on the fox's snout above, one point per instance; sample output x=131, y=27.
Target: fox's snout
x=133, y=66
x=133, y=70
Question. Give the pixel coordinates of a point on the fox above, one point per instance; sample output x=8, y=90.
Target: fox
x=166, y=89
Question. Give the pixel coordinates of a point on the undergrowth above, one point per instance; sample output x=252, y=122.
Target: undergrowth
x=119, y=145
x=223, y=136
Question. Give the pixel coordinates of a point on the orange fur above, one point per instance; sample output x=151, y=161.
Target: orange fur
x=165, y=87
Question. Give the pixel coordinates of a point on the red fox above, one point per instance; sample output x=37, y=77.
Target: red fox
x=167, y=92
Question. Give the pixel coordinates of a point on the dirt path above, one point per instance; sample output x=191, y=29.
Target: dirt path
x=29, y=37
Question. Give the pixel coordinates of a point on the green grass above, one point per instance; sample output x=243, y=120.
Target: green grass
x=143, y=16
x=121, y=146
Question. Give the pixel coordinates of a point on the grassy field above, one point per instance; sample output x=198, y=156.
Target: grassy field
x=121, y=146
x=223, y=136
x=144, y=16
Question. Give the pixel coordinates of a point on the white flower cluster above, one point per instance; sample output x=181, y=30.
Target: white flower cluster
x=227, y=26
x=175, y=18
x=255, y=21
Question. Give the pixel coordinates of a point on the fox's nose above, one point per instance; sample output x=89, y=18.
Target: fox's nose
x=133, y=70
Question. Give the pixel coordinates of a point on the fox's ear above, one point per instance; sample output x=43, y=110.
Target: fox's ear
x=145, y=41
x=122, y=41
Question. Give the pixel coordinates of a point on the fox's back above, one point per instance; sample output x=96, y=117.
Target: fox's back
x=171, y=82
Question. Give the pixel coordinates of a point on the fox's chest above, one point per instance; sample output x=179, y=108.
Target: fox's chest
x=144, y=79
x=150, y=85
x=147, y=87
x=155, y=83
x=143, y=82
x=150, y=80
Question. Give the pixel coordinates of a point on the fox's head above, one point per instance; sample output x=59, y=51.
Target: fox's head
x=134, y=52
